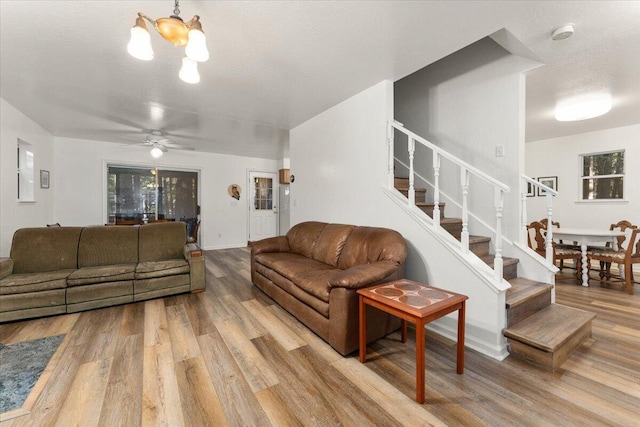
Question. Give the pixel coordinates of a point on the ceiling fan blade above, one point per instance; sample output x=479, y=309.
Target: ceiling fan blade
x=178, y=146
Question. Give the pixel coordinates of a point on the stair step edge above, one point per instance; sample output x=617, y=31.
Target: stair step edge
x=561, y=324
x=523, y=289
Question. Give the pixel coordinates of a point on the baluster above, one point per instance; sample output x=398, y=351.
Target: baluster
x=436, y=190
x=497, y=262
x=523, y=207
x=549, y=242
x=412, y=191
x=390, y=172
x=464, y=236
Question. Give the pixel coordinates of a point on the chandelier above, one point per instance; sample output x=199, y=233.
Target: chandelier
x=174, y=30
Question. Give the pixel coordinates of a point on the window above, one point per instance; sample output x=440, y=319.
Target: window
x=25, y=167
x=603, y=176
x=263, y=188
x=142, y=193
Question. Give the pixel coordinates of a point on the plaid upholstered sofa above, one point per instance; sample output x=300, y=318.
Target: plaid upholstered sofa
x=54, y=270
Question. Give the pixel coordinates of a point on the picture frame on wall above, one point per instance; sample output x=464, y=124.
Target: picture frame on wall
x=44, y=178
x=531, y=190
x=549, y=181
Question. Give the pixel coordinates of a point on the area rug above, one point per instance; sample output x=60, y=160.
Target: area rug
x=20, y=367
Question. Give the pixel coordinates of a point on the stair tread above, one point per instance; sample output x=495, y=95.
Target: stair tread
x=479, y=239
x=450, y=220
x=429, y=204
x=523, y=289
x=505, y=260
x=548, y=329
x=407, y=189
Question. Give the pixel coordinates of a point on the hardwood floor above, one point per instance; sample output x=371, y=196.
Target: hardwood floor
x=230, y=356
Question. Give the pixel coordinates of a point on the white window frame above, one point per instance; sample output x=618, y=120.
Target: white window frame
x=25, y=169
x=583, y=177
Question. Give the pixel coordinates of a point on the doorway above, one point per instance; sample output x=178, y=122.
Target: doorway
x=263, y=206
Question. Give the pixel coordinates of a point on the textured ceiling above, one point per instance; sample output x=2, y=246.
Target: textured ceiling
x=275, y=65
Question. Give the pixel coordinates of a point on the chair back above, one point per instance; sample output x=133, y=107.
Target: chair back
x=535, y=238
x=622, y=242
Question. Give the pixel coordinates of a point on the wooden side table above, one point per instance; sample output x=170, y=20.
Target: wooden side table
x=416, y=303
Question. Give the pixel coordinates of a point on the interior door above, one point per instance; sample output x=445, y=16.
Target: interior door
x=263, y=209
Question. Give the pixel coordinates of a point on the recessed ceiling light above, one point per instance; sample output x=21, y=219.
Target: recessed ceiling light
x=583, y=107
x=563, y=32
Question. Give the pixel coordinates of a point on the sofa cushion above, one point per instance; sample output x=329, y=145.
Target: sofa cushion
x=302, y=237
x=162, y=241
x=329, y=244
x=35, y=250
x=151, y=269
x=293, y=289
x=102, y=245
x=288, y=264
x=316, y=282
x=34, y=282
x=101, y=274
x=370, y=244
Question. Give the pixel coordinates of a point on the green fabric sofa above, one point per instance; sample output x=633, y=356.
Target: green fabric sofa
x=54, y=270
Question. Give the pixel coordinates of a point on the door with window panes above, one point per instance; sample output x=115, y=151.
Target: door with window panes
x=263, y=212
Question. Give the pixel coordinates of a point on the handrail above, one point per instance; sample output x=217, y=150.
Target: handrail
x=465, y=171
x=396, y=124
x=549, y=193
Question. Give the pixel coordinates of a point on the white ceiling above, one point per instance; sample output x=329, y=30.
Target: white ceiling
x=275, y=65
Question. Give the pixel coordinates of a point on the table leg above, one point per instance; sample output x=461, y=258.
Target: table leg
x=403, y=331
x=362, y=329
x=420, y=362
x=585, y=266
x=460, y=352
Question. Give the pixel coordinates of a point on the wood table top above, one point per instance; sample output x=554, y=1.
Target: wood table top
x=415, y=298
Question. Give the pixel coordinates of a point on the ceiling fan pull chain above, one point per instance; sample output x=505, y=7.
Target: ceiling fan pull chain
x=176, y=10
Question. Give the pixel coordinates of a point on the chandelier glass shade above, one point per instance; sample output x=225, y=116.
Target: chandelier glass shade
x=174, y=30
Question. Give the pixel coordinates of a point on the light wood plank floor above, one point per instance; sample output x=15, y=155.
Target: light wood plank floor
x=230, y=356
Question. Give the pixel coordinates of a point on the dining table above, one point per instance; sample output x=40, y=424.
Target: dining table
x=584, y=237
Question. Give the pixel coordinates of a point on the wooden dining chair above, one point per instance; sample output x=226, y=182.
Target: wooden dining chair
x=625, y=254
x=193, y=235
x=536, y=240
x=560, y=244
x=127, y=222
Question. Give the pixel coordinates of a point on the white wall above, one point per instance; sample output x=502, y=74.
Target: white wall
x=339, y=161
x=13, y=215
x=468, y=104
x=80, y=185
x=561, y=157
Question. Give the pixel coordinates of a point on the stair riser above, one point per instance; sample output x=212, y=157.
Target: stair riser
x=429, y=210
x=550, y=360
x=480, y=248
x=528, y=308
x=420, y=195
x=510, y=271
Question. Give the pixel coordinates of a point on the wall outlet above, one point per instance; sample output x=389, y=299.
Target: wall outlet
x=499, y=150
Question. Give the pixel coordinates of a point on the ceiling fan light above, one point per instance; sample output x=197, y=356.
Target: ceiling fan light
x=156, y=152
x=189, y=71
x=140, y=43
x=196, y=49
x=583, y=107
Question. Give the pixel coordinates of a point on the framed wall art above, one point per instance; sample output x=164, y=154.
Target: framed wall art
x=44, y=179
x=549, y=181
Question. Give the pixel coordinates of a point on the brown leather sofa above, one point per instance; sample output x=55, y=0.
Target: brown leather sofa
x=314, y=271
x=54, y=270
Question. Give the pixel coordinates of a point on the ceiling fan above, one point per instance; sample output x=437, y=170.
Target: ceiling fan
x=160, y=144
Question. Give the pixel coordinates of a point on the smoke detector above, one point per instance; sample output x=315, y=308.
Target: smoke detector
x=563, y=32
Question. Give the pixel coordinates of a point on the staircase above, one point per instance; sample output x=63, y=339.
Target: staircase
x=538, y=330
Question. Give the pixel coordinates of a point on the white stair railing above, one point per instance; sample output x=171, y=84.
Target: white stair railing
x=466, y=170
x=533, y=185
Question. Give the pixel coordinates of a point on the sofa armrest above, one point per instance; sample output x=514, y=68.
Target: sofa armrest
x=271, y=244
x=191, y=250
x=6, y=267
x=363, y=275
